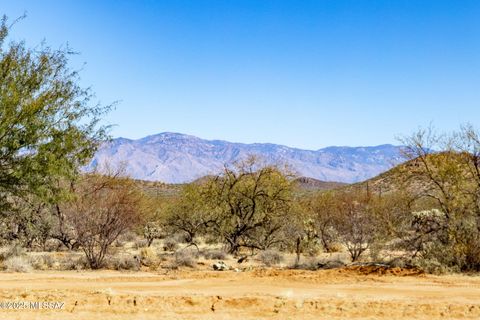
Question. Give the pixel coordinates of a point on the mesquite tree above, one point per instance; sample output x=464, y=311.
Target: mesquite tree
x=49, y=126
x=250, y=202
x=104, y=207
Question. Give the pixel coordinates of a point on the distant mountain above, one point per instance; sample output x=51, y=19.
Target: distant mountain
x=178, y=158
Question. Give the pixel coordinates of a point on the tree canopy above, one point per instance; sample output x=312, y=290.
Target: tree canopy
x=49, y=126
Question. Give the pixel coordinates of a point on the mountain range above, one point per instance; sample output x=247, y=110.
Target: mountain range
x=179, y=158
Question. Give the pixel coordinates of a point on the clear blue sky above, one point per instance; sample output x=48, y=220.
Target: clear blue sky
x=301, y=73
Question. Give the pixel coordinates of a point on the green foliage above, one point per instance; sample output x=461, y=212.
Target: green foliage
x=152, y=231
x=447, y=232
x=49, y=129
x=318, y=224
x=244, y=207
x=48, y=125
x=249, y=202
x=353, y=218
x=29, y=221
x=190, y=214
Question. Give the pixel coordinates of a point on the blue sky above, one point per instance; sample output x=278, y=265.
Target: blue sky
x=307, y=74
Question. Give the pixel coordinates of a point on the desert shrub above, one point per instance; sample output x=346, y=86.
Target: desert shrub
x=17, y=264
x=186, y=258
x=249, y=202
x=444, y=232
x=170, y=244
x=376, y=252
x=355, y=222
x=14, y=250
x=443, y=243
x=162, y=257
x=318, y=224
x=123, y=262
x=211, y=239
x=270, y=257
x=71, y=262
x=433, y=266
x=141, y=243
x=182, y=237
x=128, y=236
x=214, y=254
x=52, y=245
x=152, y=231
x=42, y=262
x=312, y=250
x=106, y=205
x=47, y=260
x=399, y=262
x=148, y=256
x=336, y=247
x=187, y=217
x=347, y=220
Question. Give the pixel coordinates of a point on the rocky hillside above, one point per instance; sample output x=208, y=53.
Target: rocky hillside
x=311, y=184
x=179, y=158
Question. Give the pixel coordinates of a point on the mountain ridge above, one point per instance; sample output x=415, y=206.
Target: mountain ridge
x=178, y=158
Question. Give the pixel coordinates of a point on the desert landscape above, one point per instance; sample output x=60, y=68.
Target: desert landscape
x=244, y=159
x=353, y=293
x=181, y=282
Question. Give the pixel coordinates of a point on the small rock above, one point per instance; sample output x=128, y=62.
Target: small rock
x=220, y=266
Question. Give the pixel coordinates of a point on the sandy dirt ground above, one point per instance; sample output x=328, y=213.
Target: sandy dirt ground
x=359, y=293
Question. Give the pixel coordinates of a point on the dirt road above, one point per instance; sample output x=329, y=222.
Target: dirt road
x=258, y=294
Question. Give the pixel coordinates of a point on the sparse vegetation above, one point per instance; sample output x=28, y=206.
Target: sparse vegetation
x=424, y=213
x=42, y=262
x=17, y=264
x=248, y=204
x=152, y=231
x=148, y=256
x=140, y=243
x=170, y=244
x=106, y=207
x=82, y=237
x=270, y=257
x=214, y=254
x=445, y=225
x=13, y=250
x=123, y=262
x=186, y=258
